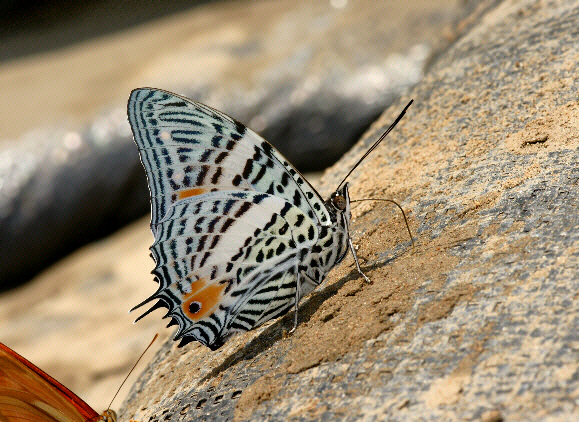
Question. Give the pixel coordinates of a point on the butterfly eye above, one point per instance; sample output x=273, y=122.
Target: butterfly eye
x=339, y=202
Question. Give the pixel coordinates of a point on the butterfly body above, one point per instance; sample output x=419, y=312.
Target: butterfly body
x=240, y=235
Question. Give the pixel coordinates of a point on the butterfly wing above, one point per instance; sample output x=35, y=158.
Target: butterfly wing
x=188, y=149
x=227, y=262
x=29, y=394
x=232, y=219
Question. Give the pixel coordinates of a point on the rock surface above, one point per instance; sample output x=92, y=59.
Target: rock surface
x=479, y=323
x=310, y=77
x=71, y=320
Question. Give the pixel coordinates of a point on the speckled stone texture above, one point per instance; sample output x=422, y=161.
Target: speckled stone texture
x=481, y=322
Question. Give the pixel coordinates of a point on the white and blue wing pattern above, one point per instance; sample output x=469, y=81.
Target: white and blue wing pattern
x=240, y=235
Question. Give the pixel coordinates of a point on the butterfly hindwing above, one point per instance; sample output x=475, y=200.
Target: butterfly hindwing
x=227, y=260
x=29, y=394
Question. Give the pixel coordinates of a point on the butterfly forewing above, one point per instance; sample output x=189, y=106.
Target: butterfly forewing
x=189, y=149
x=29, y=394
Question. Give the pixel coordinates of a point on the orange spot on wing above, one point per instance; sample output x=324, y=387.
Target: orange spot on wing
x=191, y=192
x=203, y=297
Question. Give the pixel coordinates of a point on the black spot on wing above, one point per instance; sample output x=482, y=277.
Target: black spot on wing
x=260, y=256
x=226, y=225
x=297, y=198
x=243, y=209
x=285, y=179
x=201, y=243
x=267, y=148
x=205, y=156
x=222, y=156
x=216, y=176
x=241, y=129
x=311, y=233
x=199, y=225
x=247, y=169
x=280, y=249
x=202, y=174
x=214, y=242
x=299, y=220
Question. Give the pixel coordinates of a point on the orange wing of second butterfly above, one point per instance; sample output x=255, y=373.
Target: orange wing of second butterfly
x=28, y=394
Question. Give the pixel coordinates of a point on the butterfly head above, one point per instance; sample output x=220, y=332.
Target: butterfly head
x=108, y=416
x=340, y=204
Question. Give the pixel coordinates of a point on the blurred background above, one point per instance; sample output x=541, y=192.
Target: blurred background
x=310, y=77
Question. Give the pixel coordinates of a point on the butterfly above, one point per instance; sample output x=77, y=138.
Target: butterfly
x=27, y=393
x=240, y=236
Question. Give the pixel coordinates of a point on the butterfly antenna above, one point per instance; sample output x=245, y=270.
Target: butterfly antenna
x=132, y=369
x=403, y=214
x=376, y=143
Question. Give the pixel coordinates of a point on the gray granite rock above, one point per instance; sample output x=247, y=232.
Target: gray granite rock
x=61, y=189
x=309, y=76
x=480, y=322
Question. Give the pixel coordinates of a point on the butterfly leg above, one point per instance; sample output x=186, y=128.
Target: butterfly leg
x=296, y=308
x=295, y=321
x=298, y=296
x=357, y=263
